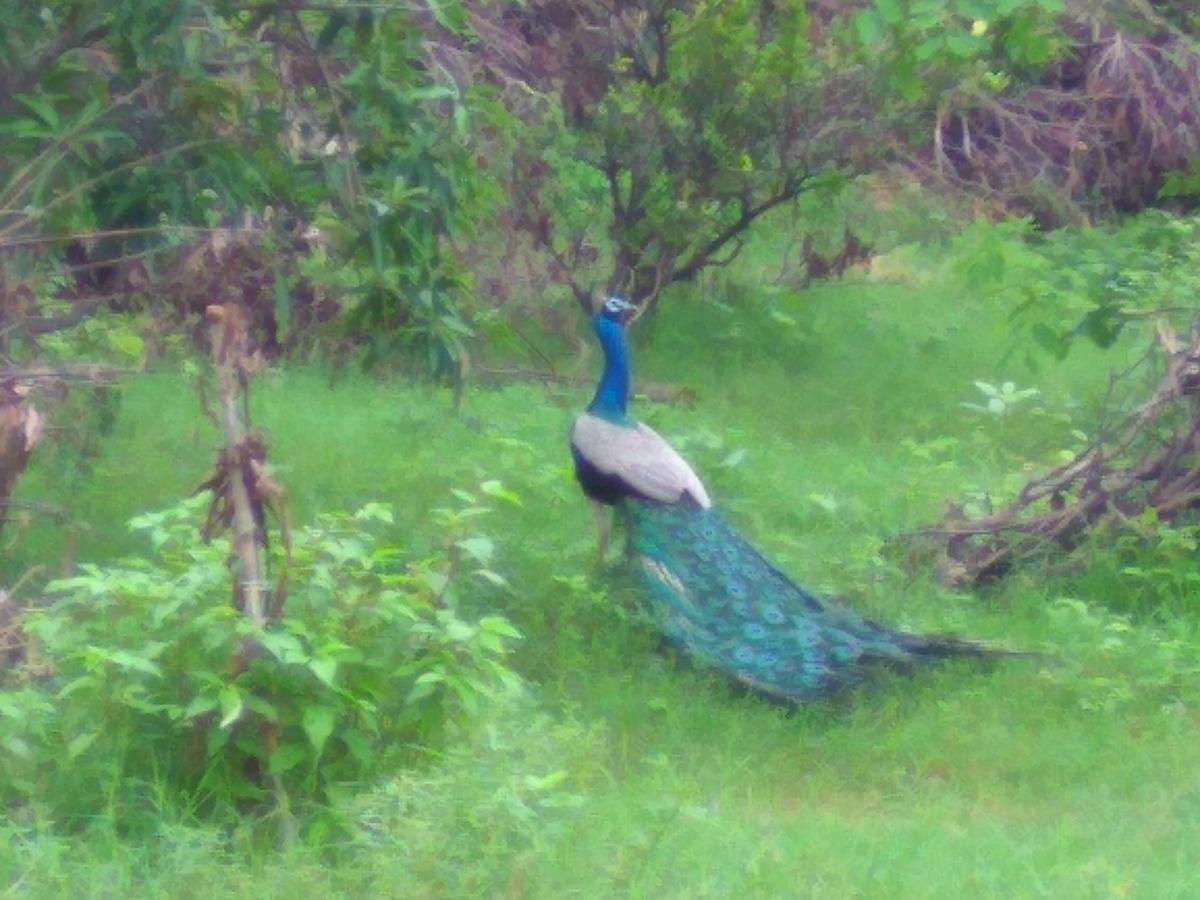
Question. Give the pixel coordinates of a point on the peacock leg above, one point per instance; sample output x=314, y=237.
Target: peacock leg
x=627, y=528
x=603, y=530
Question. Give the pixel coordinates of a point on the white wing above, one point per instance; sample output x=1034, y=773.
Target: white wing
x=639, y=457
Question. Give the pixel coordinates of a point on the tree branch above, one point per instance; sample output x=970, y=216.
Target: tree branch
x=792, y=188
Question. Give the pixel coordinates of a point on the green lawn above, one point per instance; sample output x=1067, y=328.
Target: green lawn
x=624, y=773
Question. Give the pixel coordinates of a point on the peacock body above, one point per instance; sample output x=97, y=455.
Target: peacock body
x=710, y=591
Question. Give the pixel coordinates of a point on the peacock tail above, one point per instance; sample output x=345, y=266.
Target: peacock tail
x=714, y=595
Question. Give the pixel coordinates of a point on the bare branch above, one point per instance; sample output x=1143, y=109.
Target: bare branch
x=1110, y=480
x=790, y=190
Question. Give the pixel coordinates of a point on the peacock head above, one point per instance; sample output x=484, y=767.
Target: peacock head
x=615, y=309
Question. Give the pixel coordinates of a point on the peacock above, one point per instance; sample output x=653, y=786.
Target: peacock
x=711, y=593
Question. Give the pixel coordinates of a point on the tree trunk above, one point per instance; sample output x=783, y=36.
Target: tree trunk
x=20, y=428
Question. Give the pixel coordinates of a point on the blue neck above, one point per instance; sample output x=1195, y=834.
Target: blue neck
x=612, y=393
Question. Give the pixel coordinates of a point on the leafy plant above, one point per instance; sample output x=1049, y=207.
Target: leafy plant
x=1182, y=183
x=1001, y=400
x=1088, y=284
x=1156, y=560
x=159, y=155
x=1133, y=665
x=931, y=47
x=402, y=190
x=684, y=122
x=371, y=656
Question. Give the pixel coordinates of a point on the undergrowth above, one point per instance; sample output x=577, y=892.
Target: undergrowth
x=825, y=422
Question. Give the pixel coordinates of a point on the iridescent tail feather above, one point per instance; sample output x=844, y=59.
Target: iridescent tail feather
x=714, y=595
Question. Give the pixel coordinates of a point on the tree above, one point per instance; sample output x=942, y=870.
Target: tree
x=1066, y=110
x=684, y=121
x=159, y=157
x=214, y=148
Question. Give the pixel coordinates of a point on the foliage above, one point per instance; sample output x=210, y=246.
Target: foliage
x=1001, y=400
x=1066, y=111
x=1089, y=284
x=685, y=121
x=167, y=155
x=626, y=773
x=410, y=170
x=511, y=789
x=137, y=686
x=1156, y=560
x=655, y=113
x=684, y=789
x=1182, y=183
x=929, y=50
x=688, y=156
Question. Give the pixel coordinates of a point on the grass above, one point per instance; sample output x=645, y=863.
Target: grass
x=624, y=773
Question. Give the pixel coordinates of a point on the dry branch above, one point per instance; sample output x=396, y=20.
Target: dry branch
x=91, y=373
x=242, y=495
x=20, y=429
x=1095, y=137
x=237, y=495
x=1150, y=461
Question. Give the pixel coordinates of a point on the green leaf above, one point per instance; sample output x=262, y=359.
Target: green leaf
x=325, y=670
x=285, y=647
x=1049, y=339
x=734, y=459
x=451, y=16
x=492, y=578
x=127, y=344
x=435, y=581
x=359, y=746
x=126, y=660
x=18, y=747
x=964, y=46
x=215, y=739
x=10, y=710
x=545, y=782
x=375, y=511
x=262, y=707
x=479, y=548
x=318, y=724
x=827, y=502
x=286, y=756
x=890, y=11
x=231, y=706
x=923, y=13
x=497, y=625
x=75, y=684
x=44, y=110
x=80, y=743
x=929, y=48
x=494, y=488
x=199, y=706
x=425, y=685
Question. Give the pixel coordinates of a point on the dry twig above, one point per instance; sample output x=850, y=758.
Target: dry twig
x=1125, y=471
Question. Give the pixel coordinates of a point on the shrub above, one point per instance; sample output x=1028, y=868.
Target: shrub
x=152, y=680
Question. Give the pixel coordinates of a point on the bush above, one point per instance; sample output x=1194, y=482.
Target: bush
x=152, y=681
